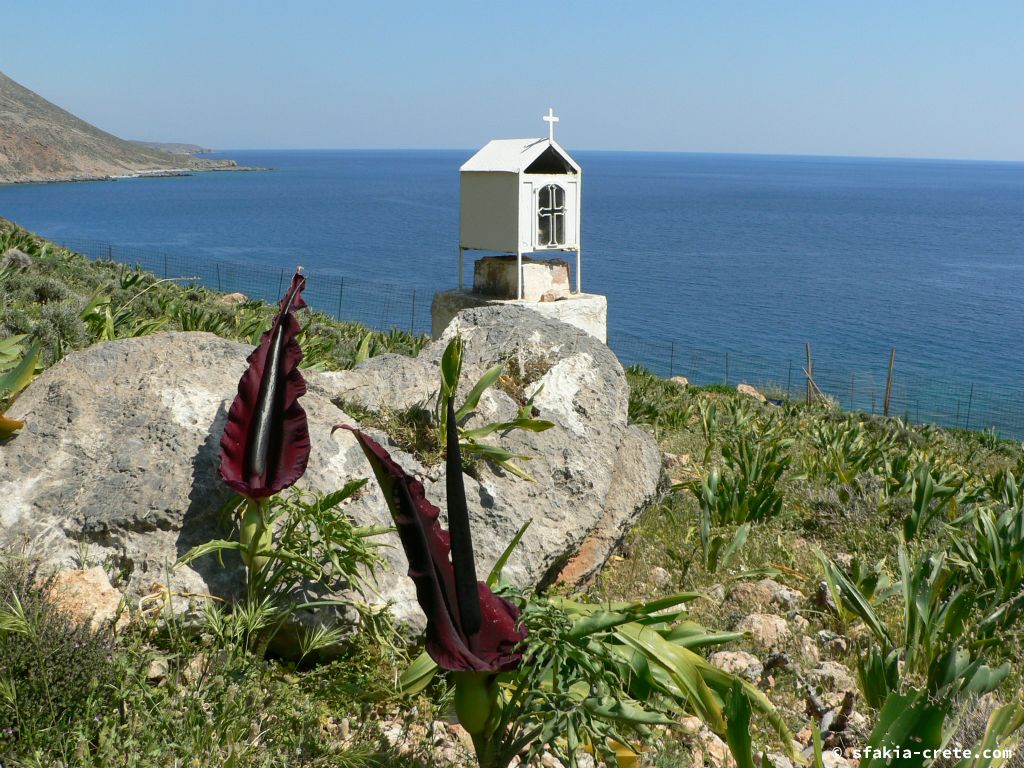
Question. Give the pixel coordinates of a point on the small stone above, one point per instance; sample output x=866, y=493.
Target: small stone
x=785, y=597
x=690, y=725
x=681, y=381
x=157, y=670
x=716, y=752
x=552, y=295
x=88, y=597
x=752, y=594
x=741, y=663
x=550, y=761
x=438, y=733
x=801, y=624
x=804, y=735
x=393, y=734
x=779, y=760
x=831, y=759
x=832, y=676
x=234, y=299
x=760, y=594
x=765, y=629
x=16, y=259
x=717, y=593
x=749, y=391
x=660, y=577
x=809, y=650
x=831, y=643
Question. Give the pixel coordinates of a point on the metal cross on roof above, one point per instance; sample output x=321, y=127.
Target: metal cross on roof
x=550, y=119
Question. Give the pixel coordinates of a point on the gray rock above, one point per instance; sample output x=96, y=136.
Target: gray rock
x=121, y=446
x=832, y=676
x=15, y=258
x=740, y=663
x=593, y=472
x=120, y=453
x=749, y=391
x=766, y=630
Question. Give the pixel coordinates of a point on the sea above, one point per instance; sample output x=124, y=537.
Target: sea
x=710, y=262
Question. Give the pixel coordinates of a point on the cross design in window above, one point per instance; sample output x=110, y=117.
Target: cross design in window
x=551, y=216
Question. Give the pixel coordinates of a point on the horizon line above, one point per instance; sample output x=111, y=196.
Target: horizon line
x=630, y=151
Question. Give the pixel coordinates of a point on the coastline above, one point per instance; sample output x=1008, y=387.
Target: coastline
x=149, y=173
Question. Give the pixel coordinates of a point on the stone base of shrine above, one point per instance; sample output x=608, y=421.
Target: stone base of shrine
x=586, y=311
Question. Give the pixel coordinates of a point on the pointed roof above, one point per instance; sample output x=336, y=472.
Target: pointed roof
x=513, y=155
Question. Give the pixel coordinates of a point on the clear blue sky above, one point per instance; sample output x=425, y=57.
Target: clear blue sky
x=851, y=77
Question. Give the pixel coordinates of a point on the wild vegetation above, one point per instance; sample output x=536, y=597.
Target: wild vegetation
x=889, y=554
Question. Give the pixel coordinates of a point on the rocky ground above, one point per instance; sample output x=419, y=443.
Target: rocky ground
x=112, y=478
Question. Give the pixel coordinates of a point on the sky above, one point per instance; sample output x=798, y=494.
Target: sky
x=912, y=78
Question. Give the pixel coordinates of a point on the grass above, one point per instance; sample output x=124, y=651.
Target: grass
x=844, y=491
x=67, y=301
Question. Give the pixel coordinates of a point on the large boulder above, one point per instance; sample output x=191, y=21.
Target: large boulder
x=120, y=453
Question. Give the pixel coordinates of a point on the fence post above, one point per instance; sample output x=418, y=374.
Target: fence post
x=789, y=380
x=851, y=391
x=341, y=291
x=671, y=358
x=888, y=382
x=280, y=283
x=970, y=400
x=110, y=252
x=412, y=319
x=165, y=266
x=810, y=372
x=217, y=265
x=727, y=369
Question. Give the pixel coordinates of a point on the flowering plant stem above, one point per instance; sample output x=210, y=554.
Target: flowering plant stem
x=255, y=534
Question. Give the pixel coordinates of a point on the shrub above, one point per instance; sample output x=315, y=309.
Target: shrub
x=55, y=675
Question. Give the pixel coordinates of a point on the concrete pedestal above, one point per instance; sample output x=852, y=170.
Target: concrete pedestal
x=586, y=311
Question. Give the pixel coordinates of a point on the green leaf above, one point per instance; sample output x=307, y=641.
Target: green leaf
x=528, y=424
x=335, y=498
x=907, y=722
x=216, y=545
x=417, y=676
x=608, y=708
x=497, y=455
x=819, y=761
x=499, y=565
x=10, y=350
x=16, y=379
x=363, y=353
x=737, y=730
x=682, y=666
x=999, y=735
x=473, y=398
x=451, y=369
x=846, y=592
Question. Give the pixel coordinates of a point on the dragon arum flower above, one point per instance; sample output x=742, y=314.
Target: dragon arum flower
x=265, y=445
x=470, y=630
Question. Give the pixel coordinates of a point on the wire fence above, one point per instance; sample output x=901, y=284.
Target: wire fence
x=384, y=306
x=915, y=398
x=377, y=305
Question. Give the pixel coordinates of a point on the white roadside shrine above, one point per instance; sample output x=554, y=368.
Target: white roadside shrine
x=520, y=197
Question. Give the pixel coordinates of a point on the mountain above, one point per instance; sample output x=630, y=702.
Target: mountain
x=174, y=148
x=39, y=141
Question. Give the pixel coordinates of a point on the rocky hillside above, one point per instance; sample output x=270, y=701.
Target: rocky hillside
x=39, y=141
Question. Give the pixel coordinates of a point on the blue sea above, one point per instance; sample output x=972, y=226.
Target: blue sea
x=700, y=255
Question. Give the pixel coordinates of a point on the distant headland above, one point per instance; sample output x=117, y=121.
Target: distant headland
x=40, y=142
